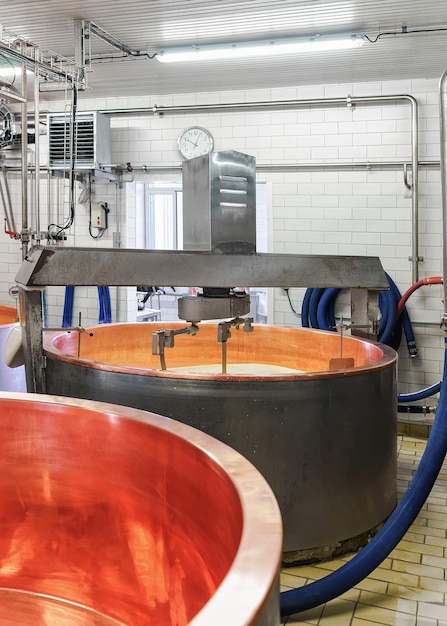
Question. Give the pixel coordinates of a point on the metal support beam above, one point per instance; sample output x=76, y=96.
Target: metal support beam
x=47, y=266
x=50, y=266
x=31, y=324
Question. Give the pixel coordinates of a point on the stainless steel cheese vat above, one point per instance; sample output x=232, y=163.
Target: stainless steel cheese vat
x=324, y=439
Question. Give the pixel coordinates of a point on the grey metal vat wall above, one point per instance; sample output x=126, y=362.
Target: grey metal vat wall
x=324, y=440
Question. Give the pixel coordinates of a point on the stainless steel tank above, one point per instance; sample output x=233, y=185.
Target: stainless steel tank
x=112, y=516
x=11, y=378
x=324, y=439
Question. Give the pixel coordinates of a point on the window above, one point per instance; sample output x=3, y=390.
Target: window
x=160, y=223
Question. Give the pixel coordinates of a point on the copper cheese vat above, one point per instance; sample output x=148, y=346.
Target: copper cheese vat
x=325, y=439
x=114, y=516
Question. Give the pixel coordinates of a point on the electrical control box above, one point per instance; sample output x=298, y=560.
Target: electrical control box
x=98, y=215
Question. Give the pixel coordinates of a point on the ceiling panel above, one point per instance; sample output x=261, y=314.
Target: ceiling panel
x=154, y=24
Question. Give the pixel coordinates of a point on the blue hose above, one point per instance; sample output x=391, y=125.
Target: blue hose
x=317, y=311
x=358, y=568
x=67, y=315
x=419, y=395
x=305, y=306
x=103, y=305
x=326, y=309
x=402, y=320
x=388, y=308
x=105, y=308
x=313, y=306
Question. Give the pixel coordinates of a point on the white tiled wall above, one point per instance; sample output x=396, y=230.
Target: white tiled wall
x=342, y=212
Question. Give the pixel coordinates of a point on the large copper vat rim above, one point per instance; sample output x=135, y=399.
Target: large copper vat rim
x=389, y=357
x=249, y=583
x=8, y=308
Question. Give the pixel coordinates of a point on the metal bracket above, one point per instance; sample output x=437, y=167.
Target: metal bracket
x=162, y=339
x=224, y=333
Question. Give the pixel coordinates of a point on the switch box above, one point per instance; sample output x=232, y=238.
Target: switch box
x=98, y=216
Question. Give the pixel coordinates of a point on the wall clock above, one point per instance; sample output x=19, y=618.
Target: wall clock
x=195, y=141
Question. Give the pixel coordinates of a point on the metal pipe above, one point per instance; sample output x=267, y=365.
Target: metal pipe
x=45, y=67
x=37, y=154
x=263, y=104
x=24, y=157
x=396, y=165
x=443, y=155
x=113, y=41
x=349, y=101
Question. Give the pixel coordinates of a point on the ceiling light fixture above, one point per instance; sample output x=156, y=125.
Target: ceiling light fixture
x=253, y=49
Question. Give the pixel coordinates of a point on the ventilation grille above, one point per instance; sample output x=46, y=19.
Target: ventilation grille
x=91, y=141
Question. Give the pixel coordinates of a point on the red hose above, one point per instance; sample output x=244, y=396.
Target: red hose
x=435, y=280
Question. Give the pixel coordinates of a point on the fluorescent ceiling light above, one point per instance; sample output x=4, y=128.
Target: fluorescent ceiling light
x=255, y=49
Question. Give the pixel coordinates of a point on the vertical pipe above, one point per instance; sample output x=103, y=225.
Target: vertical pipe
x=415, y=171
x=37, y=153
x=415, y=189
x=443, y=155
x=24, y=154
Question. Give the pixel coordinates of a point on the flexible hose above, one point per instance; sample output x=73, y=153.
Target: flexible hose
x=318, y=311
x=434, y=280
x=105, y=308
x=326, y=309
x=360, y=566
x=305, y=307
x=399, y=321
x=419, y=395
x=67, y=315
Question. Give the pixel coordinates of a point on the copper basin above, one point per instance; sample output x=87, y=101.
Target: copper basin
x=11, y=379
x=116, y=516
x=298, y=352
x=8, y=314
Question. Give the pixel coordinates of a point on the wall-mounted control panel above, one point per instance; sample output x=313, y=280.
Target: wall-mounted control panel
x=98, y=216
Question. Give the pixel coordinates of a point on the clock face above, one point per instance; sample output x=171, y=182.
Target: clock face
x=195, y=141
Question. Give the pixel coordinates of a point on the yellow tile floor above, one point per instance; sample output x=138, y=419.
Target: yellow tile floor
x=410, y=587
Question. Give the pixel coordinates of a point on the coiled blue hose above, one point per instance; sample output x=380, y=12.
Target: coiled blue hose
x=317, y=311
x=359, y=567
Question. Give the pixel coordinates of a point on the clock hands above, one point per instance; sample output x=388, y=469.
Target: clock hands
x=194, y=144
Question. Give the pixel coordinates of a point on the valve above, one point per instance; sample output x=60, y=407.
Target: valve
x=11, y=233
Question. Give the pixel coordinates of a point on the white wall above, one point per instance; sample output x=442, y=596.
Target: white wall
x=365, y=212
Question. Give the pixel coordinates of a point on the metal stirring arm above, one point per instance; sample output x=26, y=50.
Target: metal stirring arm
x=224, y=333
x=79, y=329
x=162, y=339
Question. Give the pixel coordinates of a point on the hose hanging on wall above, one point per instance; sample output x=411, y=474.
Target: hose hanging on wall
x=67, y=316
x=105, y=306
x=363, y=563
x=318, y=311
